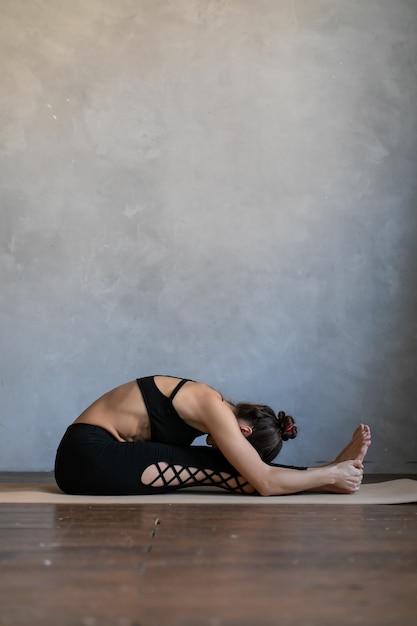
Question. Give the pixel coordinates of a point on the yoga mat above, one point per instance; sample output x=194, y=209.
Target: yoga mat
x=400, y=491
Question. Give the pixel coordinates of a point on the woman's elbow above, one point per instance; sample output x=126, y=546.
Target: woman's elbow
x=264, y=487
x=267, y=485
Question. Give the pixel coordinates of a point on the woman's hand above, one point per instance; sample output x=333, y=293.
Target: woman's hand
x=348, y=476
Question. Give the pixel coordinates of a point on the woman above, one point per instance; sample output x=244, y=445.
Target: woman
x=136, y=439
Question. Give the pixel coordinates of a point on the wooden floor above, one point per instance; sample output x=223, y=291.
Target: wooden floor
x=214, y=565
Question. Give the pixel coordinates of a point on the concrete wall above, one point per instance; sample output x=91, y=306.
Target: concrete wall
x=224, y=190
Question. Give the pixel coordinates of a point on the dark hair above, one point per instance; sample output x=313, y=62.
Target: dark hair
x=268, y=429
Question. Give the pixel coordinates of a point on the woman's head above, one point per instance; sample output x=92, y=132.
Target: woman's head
x=268, y=429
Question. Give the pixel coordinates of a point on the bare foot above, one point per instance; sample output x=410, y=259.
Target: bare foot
x=357, y=447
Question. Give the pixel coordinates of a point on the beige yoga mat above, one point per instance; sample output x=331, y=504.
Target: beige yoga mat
x=398, y=491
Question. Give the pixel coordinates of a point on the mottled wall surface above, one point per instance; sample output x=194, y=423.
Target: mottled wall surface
x=224, y=190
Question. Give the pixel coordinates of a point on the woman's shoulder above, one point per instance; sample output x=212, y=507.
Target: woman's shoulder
x=205, y=404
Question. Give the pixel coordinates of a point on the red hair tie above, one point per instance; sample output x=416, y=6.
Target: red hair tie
x=286, y=430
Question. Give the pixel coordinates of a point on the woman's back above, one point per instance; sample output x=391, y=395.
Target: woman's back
x=124, y=411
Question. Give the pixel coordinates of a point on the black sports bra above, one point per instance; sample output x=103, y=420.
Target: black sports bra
x=166, y=425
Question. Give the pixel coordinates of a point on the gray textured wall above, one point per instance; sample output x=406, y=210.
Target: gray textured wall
x=224, y=190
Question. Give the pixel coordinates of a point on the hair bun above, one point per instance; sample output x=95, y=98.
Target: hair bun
x=286, y=426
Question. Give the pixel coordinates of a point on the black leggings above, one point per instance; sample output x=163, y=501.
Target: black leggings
x=91, y=461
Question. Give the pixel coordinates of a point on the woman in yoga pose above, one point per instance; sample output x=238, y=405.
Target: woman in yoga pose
x=136, y=439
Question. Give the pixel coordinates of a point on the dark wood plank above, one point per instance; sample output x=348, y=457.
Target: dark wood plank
x=208, y=565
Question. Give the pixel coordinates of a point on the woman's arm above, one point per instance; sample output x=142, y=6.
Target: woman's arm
x=223, y=427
